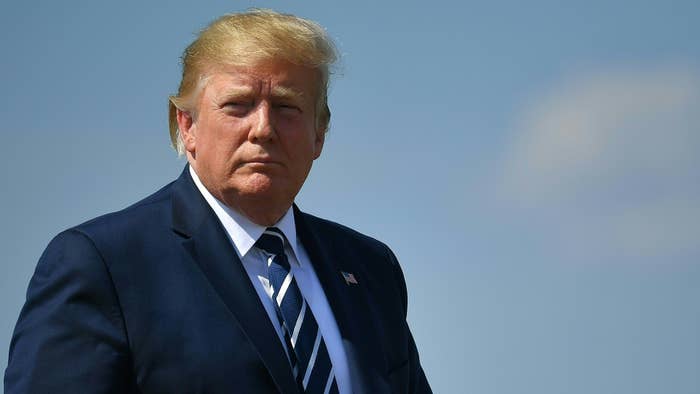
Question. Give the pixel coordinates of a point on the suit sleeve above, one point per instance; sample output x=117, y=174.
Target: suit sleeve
x=70, y=336
x=418, y=384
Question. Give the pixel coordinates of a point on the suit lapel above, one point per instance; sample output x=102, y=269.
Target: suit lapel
x=206, y=242
x=350, y=306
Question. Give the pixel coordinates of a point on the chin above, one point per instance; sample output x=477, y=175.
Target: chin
x=259, y=185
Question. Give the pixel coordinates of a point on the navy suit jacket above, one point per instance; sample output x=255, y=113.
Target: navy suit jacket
x=154, y=299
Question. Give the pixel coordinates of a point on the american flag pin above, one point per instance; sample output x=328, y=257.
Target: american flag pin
x=349, y=278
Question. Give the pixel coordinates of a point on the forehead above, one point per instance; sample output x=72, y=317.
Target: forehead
x=272, y=77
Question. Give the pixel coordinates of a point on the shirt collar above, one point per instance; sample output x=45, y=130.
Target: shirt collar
x=241, y=230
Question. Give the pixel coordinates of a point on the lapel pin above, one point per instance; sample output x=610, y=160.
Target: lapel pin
x=349, y=278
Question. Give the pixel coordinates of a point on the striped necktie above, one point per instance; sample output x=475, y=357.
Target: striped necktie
x=311, y=364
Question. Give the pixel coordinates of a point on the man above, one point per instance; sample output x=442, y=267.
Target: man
x=218, y=283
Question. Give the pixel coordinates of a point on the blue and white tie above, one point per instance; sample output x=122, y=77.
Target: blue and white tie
x=311, y=364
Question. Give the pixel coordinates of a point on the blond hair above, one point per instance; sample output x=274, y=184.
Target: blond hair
x=245, y=39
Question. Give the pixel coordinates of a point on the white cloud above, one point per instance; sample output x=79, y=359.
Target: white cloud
x=617, y=156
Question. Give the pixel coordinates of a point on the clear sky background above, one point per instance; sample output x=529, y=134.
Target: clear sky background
x=534, y=165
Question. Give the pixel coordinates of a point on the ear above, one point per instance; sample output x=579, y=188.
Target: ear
x=187, y=128
x=322, y=122
x=318, y=142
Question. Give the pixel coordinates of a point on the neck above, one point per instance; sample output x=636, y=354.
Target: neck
x=264, y=209
x=262, y=214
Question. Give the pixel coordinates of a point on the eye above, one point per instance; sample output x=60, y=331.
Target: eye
x=238, y=104
x=288, y=109
x=238, y=107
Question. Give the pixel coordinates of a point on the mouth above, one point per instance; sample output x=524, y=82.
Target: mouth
x=261, y=161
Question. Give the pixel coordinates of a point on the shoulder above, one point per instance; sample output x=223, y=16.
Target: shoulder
x=378, y=261
x=126, y=225
x=339, y=235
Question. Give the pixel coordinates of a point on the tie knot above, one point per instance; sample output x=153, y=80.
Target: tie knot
x=271, y=241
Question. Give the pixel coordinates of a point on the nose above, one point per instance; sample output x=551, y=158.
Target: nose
x=262, y=128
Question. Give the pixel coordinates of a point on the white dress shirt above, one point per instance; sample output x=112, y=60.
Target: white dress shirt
x=243, y=234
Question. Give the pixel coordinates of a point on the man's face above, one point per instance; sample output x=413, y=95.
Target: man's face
x=254, y=135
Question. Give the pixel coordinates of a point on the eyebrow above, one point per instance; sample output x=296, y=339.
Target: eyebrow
x=278, y=92
x=237, y=92
x=285, y=92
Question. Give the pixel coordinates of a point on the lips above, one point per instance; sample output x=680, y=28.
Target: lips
x=262, y=161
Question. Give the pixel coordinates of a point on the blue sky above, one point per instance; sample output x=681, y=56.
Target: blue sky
x=534, y=165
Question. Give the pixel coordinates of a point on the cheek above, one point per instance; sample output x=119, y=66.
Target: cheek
x=289, y=124
x=226, y=137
